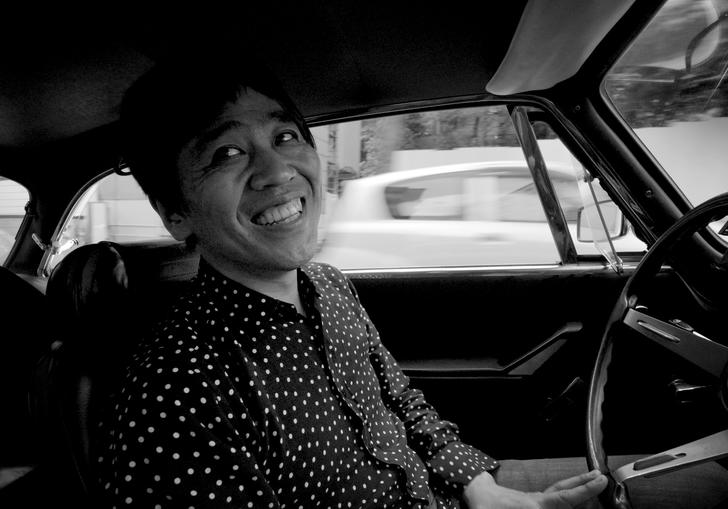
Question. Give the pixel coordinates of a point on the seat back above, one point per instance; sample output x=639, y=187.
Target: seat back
x=104, y=297
x=23, y=337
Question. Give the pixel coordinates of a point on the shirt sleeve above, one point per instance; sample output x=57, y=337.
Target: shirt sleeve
x=176, y=440
x=435, y=440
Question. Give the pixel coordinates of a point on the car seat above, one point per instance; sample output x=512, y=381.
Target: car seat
x=24, y=337
x=103, y=296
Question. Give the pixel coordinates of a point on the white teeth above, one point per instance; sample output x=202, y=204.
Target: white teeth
x=280, y=214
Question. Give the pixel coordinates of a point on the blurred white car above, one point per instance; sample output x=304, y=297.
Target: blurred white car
x=484, y=213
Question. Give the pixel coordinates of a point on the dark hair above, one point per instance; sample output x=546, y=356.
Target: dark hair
x=178, y=98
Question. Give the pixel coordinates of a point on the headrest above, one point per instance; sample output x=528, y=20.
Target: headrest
x=107, y=294
x=89, y=283
x=88, y=293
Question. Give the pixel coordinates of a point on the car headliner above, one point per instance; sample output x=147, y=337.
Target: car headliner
x=334, y=57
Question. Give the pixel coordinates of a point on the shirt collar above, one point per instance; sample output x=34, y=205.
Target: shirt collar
x=227, y=295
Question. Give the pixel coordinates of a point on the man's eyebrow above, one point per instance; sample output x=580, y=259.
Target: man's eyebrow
x=212, y=134
x=282, y=116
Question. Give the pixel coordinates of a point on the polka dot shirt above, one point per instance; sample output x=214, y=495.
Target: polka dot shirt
x=238, y=400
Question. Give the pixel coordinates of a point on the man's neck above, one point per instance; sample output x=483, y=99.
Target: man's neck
x=283, y=288
x=280, y=285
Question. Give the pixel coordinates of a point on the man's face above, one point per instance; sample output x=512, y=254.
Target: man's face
x=252, y=189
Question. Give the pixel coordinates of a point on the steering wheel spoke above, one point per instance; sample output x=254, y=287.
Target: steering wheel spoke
x=710, y=356
x=708, y=448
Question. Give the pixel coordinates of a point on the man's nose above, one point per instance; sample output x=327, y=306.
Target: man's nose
x=271, y=169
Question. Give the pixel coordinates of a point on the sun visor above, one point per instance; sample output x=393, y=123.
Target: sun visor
x=552, y=41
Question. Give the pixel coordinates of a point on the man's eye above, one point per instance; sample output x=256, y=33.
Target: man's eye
x=224, y=154
x=287, y=136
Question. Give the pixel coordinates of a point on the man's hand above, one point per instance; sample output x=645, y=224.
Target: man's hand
x=483, y=492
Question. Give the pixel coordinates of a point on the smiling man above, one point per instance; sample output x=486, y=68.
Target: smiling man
x=267, y=385
x=251, y=190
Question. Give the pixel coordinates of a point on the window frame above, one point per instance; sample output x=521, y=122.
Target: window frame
x=549, y=200
x=610, y=180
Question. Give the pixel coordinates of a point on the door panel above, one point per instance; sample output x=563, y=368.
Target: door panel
x=454, y=332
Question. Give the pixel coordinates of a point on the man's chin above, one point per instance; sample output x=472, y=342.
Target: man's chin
x=301, y=260
x=293, y=260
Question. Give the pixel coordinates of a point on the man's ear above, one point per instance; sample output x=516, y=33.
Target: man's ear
x=176, y=223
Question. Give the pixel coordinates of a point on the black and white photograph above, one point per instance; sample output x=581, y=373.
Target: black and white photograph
x=344, y=254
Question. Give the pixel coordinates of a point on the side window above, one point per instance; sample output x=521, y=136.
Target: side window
x=13, y=198
x=443, y=189
x=115, y=209
x=518, y=200
x=430, y=189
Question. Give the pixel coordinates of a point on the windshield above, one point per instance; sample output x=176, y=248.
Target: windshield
x=670, y=86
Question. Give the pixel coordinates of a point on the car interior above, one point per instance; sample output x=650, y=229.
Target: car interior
x=575, y=357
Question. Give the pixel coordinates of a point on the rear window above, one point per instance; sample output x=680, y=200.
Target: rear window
x=13, y=198
x=115, y=209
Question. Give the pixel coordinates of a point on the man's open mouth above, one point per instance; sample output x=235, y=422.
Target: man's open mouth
x=280, y=214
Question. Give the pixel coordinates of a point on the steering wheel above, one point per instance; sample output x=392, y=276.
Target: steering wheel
x=678, y=337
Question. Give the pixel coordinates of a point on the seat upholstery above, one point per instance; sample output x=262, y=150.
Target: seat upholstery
x=104, y=296
x=23, y=317
x=25, y=336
